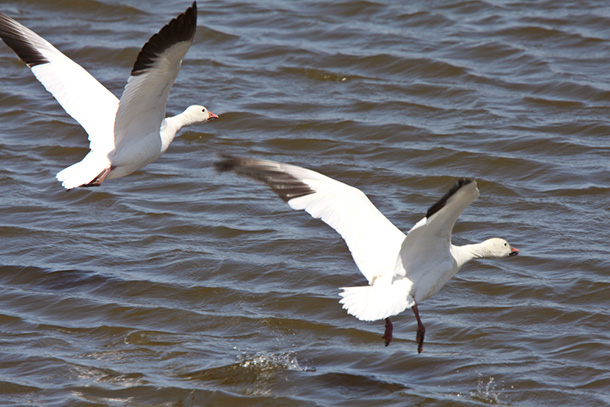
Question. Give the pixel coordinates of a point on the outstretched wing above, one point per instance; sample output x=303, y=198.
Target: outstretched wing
x=79, y=93
x=142, y=105
x=441, y=217
x=432, y=235
x=372, y=239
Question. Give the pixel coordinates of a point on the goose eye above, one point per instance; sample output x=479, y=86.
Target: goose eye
x=203, y=110
x=505, y=244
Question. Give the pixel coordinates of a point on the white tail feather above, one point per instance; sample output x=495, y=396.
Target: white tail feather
x=374, y=302
x=83, y=172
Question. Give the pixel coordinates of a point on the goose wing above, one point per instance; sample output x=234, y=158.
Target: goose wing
x=371, y=238
x=142, y=105
x=442, y=216
x=79, y=93
x=428, y=244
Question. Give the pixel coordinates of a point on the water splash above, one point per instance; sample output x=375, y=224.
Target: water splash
x=264, y=361
x=487, y=392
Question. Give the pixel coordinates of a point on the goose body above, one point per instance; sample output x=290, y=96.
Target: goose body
x=402, y=270
x=125, y=134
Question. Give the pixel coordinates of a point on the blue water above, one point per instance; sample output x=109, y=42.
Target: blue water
x=178, y=286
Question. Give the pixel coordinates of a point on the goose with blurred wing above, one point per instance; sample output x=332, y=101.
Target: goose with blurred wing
x=402, y=270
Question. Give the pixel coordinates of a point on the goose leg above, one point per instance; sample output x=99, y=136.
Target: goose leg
x=97, y=181
x=421, y=330
x=389, y=328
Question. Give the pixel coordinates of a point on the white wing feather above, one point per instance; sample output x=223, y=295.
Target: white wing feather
x=371, y=238
x=79, y=93
x=142, y=105
x=426, y=252
x=431, y=236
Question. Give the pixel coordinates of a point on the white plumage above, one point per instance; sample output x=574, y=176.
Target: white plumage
x=124, y=134
x=402, y=270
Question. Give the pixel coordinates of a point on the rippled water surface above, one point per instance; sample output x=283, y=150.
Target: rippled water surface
x=177, y=286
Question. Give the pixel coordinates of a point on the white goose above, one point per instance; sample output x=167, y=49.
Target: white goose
x=124, y=134
x=402, y=270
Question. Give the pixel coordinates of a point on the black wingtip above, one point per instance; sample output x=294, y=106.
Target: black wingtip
x=443, y=201
x=285, y=185
x=12, y=35
x=226, y=163
x=179, y=29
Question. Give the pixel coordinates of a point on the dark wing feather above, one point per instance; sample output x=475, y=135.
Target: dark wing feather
x=283, y=184
x=440, y=204
x=12, y=34
x=179, y=29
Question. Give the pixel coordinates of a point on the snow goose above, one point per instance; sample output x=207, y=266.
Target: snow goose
x=402, y=270
x=124, y=134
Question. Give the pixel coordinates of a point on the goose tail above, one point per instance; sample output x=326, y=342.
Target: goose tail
x=374, y=302
x=91, y=171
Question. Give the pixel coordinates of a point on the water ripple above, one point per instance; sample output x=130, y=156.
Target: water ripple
x=180, y=286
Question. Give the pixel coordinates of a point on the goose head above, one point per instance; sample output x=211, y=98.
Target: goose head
x=497, y=248
x=198, y=114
